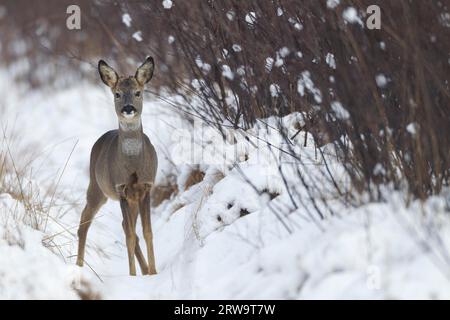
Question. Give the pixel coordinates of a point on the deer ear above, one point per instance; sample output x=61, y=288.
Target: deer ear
x=108, y=75
x=145, y=72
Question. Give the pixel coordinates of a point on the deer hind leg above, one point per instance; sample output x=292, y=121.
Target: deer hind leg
x=138, y=252
x=95, y=199
x=144, y=209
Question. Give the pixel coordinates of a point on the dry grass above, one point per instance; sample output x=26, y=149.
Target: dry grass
x=38, y=205
x=85, y=291
x=195, y=176
x=41, y=201
x=163, y=192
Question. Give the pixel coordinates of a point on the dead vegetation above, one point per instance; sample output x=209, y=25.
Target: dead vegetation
x=85, y=290
x=194, y=177
x=163, y=192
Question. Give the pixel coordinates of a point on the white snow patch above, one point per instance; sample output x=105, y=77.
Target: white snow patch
x=329, y=59
x=126, y=19
x=237, y=48
x=284, y=52
x=305, y=83
x=332, y=3
x=296, y=23
x=230, y=15
x=381, y=80
x=274, y=90
x=412, y=128
x=444, y=19
x=137, y=36
x=241, y=71
x=339, y=110
x=279, y=61
x=167, y=4
x=225, y=53
x=269, y=64
x=206, y=67
x=250, y=18
x=379, y=170
x=227, y=73
x=350, y=15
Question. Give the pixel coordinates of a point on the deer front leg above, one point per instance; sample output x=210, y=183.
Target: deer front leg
x=130, y=234
x=140, y=257
x=138, y=252
x=133, y=207
x=144, y=208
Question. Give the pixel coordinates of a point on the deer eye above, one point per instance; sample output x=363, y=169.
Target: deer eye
x=117, y=95
x=137, y=94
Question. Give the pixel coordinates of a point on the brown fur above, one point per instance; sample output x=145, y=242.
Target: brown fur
x=123, y=167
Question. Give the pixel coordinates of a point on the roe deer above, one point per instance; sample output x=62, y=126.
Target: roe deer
x=123, y=167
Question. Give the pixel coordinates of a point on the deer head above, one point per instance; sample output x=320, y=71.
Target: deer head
x=127, y=91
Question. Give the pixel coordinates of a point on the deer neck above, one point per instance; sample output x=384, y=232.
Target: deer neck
x=131, y=137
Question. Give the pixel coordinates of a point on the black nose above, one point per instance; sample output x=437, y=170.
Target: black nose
x=128, y=109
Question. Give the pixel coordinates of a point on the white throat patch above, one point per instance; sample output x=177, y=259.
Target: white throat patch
x=132, y=146
x=130, y=125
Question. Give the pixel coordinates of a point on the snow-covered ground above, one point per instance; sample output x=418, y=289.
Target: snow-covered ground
x=219, y=238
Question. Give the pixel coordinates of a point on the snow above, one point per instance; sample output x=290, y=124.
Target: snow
x=339, y=110
x=241, y=71
x=269, y=64
x=206, y=67
x=167, y=4
x=298, y=26
x=305, y=83
x=444, y=19
x=350, y=15
x=381, y=80
x=219, y=238
x=284, y=52
x=279, y=61
x=296, y=23
x=227, y=73
x=379, y=169
x=274, y=90
x=237, y=48
x=412, y=128
x=250, y=18
x=230, y=15
x=332, y=3
x=137, y=36
x=225, y=53
x=28, y=269
x=126, y=19
x=329, y=59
